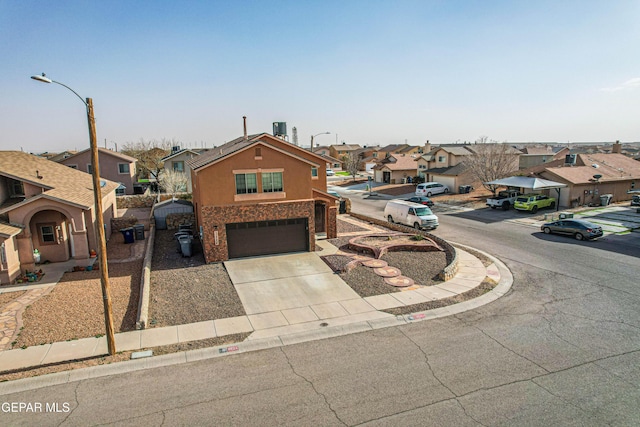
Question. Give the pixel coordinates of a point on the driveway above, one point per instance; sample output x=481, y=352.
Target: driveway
x=286, y=282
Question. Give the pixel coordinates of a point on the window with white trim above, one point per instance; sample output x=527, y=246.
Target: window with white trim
x=271, y=182
x=178, y=166
x=47, y=234
x=246, y=183
x=89, y=168
x=123, y=167
x=442, y=159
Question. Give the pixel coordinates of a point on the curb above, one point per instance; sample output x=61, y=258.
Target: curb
x=503, y=287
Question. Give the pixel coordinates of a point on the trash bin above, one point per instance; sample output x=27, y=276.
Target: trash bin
x=565, y=215
x=343, y=207
x=184, y=227
x=139, y=229
x=185, y=245
x=464, y=189
x=177, y=237
x=127, y=233
x=605, y=199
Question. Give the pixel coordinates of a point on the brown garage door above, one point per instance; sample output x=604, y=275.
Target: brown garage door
x=267, y=237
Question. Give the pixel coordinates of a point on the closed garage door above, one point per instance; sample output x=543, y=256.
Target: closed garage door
x=267, y=237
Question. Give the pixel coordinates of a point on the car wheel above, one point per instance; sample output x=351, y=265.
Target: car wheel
x=546, y=230
x=429, y=194
x=534, y=209
x=446, y=190
x=553, y=205
x=416, y=226
x=579, y=236
x=506, y=206
x=493, y=207
x=390, y=219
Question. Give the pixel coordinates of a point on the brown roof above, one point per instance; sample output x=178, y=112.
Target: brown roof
x=106, y=151
x=401, y=163
x=58, y=182
x=612, y=167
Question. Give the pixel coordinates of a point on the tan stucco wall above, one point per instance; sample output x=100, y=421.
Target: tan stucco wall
x=182, y=157
x=11, y=269
x=108, y=167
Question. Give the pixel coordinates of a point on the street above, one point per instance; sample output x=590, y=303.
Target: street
x=562, y=348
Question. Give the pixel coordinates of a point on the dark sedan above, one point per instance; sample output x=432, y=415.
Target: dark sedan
x=423, y=200
x=578, y=228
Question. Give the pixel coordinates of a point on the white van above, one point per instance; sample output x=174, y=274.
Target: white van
x=412, y=214
x=430, y=188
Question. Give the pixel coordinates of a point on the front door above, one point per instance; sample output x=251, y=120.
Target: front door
x=319, y=214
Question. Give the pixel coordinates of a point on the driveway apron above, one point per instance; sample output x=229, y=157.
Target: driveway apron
x=283, y=282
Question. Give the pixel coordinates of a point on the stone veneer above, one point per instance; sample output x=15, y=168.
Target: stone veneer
x=175, y=220
x=216, y=217
x=136, y=201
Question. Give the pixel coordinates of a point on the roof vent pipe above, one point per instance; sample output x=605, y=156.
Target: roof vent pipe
x=244, y=120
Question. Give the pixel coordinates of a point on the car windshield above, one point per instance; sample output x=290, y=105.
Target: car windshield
x=423, y=211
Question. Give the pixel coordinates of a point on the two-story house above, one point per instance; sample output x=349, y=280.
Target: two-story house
x=114, y=166
x=178, y=161
x=338, y=151
x=444, y=164
x=258, y=195
x=49, y=207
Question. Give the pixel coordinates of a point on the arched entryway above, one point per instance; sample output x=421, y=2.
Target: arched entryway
x=50, y=235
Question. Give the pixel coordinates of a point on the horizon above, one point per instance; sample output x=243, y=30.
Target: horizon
x=371, y=73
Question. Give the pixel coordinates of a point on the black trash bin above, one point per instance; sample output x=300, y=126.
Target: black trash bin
x=343, y=207
x=139, y=230
x=127, y=233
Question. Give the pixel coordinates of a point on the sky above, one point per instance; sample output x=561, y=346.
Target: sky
x=369, y=72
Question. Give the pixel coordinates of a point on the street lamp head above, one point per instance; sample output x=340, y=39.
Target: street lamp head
x=43, y=78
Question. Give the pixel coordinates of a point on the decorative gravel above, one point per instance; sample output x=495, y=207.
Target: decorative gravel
x=366, y=283
x=422, y=267
x=186, y=290
x=347, y=227
x=7, y=297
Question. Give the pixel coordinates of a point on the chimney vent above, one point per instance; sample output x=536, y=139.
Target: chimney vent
x=244, y=120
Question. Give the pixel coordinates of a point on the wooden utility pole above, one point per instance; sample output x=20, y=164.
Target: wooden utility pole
x=102, y=250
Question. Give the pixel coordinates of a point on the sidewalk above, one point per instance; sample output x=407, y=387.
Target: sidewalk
x=276, y=329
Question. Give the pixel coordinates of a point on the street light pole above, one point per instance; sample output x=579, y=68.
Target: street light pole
x=97, y=199
x=313, y=136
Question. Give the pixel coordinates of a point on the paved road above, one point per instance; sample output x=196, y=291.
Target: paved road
x=562, y=348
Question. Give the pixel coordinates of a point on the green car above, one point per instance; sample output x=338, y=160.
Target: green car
x=533, y=202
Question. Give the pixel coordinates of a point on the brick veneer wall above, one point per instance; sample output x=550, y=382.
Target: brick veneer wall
x=216, y=217
x=123, y=222
x=174, y=220
x=452, y=256
x=332, y=230
x=137, y=201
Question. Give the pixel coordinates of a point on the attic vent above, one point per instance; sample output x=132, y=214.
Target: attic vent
x=593, y=165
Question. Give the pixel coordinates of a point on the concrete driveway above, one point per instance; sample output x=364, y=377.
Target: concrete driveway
x=285, y=282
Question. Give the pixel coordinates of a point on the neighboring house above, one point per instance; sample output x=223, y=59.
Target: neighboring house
x=322, y=151
x=114, y=166
x=537, y=155
x=46, y=206
x=178, y=161
x=61, y=156
x=593, y=175
x=395, y=169
x=333, y=163
x=259, y=195
x=444, y=164
x=337, y=151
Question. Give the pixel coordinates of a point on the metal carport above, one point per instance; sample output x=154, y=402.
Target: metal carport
x=530, y=182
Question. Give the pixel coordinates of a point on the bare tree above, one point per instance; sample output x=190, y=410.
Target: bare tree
x=150, y=154
x=173, y=181
x=489, y=161
x=351, y=163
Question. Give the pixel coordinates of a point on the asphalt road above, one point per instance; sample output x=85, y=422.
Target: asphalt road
x=562, y=348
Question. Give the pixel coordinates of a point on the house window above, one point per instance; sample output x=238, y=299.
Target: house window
x=271, y=182
x=375, y=154
x=17, y=189
x=123, y=167
x=314, y=172
x=47, y=234
x=246, y=183
x=441, y=159
x=178, y=166
x=89, y=168
x=258, y=151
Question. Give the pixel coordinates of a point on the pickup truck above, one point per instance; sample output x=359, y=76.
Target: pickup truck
x=505, y=199
x=533, y=202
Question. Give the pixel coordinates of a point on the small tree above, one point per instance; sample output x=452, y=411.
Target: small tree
x=150, y=154
x=351, y=162
x=490, y=161
x=173, y=182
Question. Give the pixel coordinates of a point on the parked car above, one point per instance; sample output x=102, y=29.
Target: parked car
x=411, y=214
x=578, y=228
x=533, y=202
x=635, y=200
x=430, y=188
x=330, y=172
x=423, y=200
x=504, y=200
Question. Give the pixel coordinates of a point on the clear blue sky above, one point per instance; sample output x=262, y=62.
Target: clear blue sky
x=372, y=72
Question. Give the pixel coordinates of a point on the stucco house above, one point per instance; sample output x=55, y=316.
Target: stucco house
x=114, y=166
x=47, y=206
x=395, y=169
x=337, y=151
x=540, y=154
x=178, y=161
x=592, y=175
x=258, y=195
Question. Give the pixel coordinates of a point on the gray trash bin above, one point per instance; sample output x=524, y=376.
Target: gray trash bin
x=605, y=199
x=139, y=230
x=185, y=245
x=177, y=237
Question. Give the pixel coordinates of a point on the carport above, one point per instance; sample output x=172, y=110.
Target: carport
x=530, y=182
